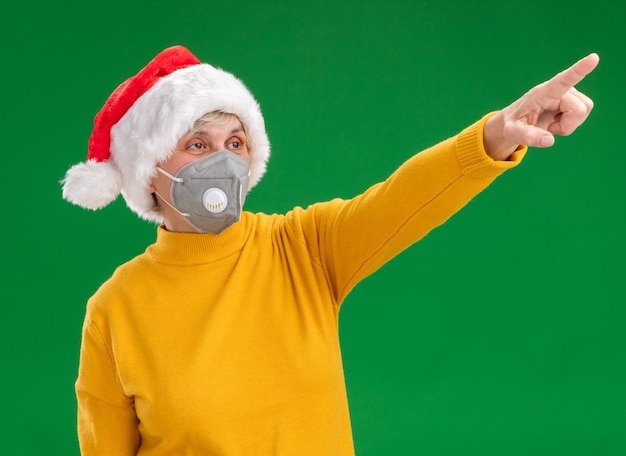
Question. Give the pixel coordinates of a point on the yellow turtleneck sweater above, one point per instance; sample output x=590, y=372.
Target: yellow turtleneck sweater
x=228, y=344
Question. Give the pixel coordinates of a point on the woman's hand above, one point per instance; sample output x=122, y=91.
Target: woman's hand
x=552, y=108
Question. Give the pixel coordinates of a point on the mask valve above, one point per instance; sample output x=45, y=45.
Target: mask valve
x=215, y=200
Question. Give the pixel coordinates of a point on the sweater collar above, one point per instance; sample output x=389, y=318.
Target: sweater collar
x=186, y=249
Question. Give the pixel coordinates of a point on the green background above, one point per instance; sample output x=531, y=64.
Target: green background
x=502, y=332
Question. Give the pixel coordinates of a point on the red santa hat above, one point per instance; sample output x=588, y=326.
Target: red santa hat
x=144, y=118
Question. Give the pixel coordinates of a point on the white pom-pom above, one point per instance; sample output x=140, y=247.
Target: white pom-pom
x=92, y=184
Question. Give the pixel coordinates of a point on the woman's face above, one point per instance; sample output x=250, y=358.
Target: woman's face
x=191, y=147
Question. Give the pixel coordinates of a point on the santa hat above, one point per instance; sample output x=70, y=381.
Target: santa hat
x=144, y=118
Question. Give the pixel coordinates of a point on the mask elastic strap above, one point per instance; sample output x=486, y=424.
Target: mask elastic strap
x=184, y=214
x=174, y=178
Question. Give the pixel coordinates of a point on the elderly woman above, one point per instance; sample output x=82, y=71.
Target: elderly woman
x=222, y=337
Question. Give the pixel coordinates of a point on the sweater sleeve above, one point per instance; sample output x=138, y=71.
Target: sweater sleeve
x=354, y=238
x=107, y=423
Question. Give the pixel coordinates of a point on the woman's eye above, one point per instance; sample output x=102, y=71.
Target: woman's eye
x=236, y=144
x=195, y=146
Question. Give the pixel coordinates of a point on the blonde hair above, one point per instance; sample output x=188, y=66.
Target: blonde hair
x=217, y=118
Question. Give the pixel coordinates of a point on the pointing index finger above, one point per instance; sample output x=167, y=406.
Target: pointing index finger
x=566, y=79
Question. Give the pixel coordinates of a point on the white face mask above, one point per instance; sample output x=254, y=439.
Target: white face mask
x=210, y=191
